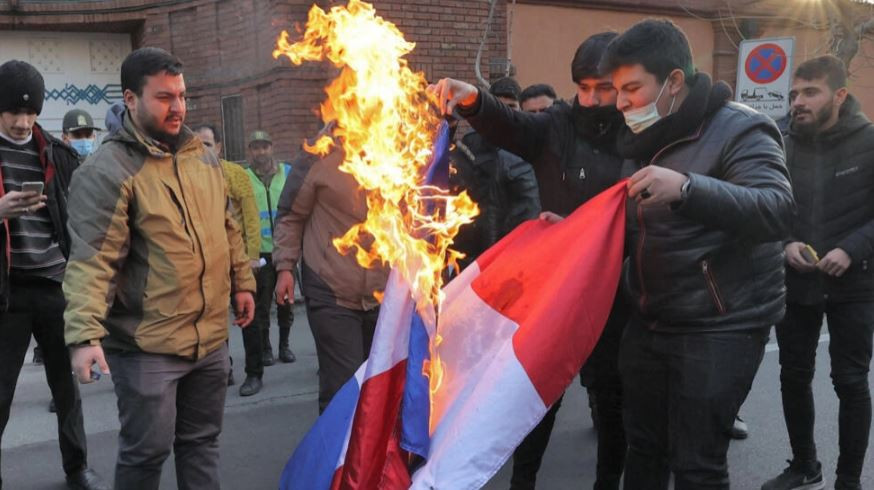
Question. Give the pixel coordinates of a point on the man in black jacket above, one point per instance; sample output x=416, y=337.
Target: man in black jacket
x=502, y=184
x=573, y=152
x=34, y=246
x=709, y=203
x=830, y=154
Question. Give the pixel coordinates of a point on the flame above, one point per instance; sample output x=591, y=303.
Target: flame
x=386, y=124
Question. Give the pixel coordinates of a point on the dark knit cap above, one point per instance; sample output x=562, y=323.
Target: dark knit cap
x=506, y=87
x=21, y=87
x=588, y=56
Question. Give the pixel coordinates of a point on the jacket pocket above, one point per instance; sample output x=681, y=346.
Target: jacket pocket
x=712, y=287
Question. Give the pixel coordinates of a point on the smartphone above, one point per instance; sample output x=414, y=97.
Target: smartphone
x=32, y=187
x=809, y=254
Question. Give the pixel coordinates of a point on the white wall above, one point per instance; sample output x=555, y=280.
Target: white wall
x=81, y=70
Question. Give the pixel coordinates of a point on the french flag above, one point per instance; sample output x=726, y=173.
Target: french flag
x=515, y=327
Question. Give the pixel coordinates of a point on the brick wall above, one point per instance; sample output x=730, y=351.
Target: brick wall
x=226, y=46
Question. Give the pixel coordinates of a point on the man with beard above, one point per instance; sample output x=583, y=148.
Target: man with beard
x=268, y=178
x=155, y=256
x=830, y=154
x=573, y=151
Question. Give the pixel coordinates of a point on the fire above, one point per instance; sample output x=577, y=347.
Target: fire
x=386, y=124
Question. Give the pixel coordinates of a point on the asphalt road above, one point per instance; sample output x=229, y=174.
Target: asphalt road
x=260, y=432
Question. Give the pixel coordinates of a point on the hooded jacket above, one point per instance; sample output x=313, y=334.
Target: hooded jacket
x=58, y=162
x=833, y=181
x=155, y=252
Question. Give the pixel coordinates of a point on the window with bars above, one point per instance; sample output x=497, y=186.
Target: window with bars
x=232, y=128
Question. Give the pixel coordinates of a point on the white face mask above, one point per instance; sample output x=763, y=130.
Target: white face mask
x=641, y=118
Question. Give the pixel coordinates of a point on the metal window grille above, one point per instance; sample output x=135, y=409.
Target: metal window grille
x=232, y=128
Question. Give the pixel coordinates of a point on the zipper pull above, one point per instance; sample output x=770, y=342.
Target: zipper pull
x=704, y=266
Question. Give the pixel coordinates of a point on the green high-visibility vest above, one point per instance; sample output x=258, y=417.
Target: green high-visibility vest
x=267, y=199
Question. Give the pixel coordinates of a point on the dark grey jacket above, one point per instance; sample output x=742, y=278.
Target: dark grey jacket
x=715, y=262
x=833, y=181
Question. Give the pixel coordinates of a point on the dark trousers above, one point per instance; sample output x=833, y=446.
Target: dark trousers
x=601, y=373
x=166, y=402
x=851, y=327
x=681, y=394
x=37, y=306
x=343, y=338
x=256, y=337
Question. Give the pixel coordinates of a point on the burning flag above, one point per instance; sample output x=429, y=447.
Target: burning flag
x=499, y=344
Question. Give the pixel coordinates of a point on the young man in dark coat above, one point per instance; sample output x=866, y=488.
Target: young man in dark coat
x=34, y=248
x=709, y=205
x=573, y=151
x=830, y=154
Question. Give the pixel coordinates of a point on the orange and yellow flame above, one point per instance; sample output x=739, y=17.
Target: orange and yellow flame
x=386, y=124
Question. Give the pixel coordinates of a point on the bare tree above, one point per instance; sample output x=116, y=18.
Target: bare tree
x=850, y=21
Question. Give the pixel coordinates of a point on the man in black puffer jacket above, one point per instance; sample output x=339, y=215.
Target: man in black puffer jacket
x=573, y=151
x=830, y=153
x=709, y=205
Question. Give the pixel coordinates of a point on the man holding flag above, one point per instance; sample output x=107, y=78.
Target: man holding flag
x=710, y=201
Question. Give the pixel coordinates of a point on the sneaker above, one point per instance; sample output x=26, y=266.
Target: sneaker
x=739, y=430
x=251, y=386
x=797, y=477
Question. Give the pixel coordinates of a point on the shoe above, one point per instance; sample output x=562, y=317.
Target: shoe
x=798, y=476
x=231, y=381
x=285, y=354
x=251, y=386
x=37, y=355
x=739, y=431
x=86, y=479
x=267, y=358
x=52, y=407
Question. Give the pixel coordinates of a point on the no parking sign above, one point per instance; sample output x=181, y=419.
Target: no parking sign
x=764, y=74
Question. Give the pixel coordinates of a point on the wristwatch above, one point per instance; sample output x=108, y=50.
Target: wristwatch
x=684, y=191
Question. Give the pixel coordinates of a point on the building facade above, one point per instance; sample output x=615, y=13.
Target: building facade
x=234, y=83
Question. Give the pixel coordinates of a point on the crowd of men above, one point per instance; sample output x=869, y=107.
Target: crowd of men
x=125, y=257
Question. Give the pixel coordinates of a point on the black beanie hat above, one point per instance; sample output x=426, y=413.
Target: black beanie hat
x=588, y=56
x=21, y=87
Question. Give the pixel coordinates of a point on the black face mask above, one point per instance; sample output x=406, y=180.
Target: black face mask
x=596, y=122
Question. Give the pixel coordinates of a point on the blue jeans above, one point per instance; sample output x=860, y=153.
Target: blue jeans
x=681, y=393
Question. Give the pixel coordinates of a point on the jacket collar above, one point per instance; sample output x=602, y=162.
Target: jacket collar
x=704, y=99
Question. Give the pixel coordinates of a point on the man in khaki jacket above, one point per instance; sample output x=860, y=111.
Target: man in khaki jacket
x=154, y=257
x=319, y=203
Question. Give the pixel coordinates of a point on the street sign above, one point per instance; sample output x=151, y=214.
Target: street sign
x=764, y=74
